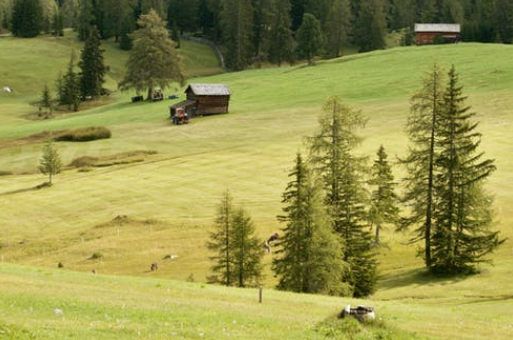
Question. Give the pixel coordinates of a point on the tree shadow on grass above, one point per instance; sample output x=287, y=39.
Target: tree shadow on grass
x=19, y=191
x=418, y=276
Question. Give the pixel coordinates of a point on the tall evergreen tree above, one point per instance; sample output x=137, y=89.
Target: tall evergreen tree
x=92, y=66
x=262, y=22
x=462, y=237
x=310, y=39
x=153, y=61
x=50, y=163
x=247, y=250
x=46, y=101
x=282, y=44
x=309, y=258
x=370, y=26
x=338, y=27
x=125, y=39
x=85, y=19
x=384, y=200
x=342, y=172
x=184, y=13
x=504, y=20
x=220, y=242
x=237, y=28
x=27, y=18
x=420, y=162
x=69, y=87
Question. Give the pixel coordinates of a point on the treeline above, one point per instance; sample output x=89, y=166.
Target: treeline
x=277, y=31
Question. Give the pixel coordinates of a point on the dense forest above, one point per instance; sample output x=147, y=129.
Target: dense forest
x=250, y=31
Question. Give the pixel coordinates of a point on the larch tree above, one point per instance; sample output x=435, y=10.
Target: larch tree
x=92, y=67
x=384, y=201
x=50, y=163
x=282, y=44
x=310, y=38
x=332, y=155
x=462, y=237
x=308, y=259
x=247, y=250
x=421, y=128
x=153, y=61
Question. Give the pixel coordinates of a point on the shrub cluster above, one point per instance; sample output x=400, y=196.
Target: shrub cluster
x=84, y=134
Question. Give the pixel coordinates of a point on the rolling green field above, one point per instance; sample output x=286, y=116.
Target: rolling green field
x=163, y=203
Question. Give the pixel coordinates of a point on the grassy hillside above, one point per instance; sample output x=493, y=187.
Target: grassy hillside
x=166, y=201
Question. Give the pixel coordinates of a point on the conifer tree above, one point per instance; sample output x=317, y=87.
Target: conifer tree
x=247, y=250
x=27, y=18
x=69, y=87
x=462, y=237
x=92, y=66
x=310, y=39
x=85, y=19
x=384, y=209
x=282, y=44
x=338, y=27
x=127, y=27
x=370, y=26
x=237, y=27
x=57, y=24
x=331, y=153
x=308, y=259
x=153, y=61
x=46, y=101
x=50, y=163
x=420, y=162
x=220, y=242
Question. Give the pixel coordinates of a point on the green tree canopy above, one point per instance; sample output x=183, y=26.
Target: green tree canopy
x=92, y=66
x=310, y=39
x=50, y=163
x=27, y=18
x=153, y=61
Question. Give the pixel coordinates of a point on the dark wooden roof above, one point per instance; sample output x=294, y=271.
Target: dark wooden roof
x=209, y=89
x=437, y=28
x=183, y=103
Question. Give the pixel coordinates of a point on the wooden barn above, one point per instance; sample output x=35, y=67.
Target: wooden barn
x=428, y=34
x=204, y=99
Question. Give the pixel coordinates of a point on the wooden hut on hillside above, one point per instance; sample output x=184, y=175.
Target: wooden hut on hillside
x=204, y=99
x=428, y=34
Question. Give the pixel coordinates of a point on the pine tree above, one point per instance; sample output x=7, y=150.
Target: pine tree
x=237, y=28
x=69, y=87
x=57, y=24
x=93, y=69
x=125, y=41
x=282, y=44
x=310, y=39
x=184, y=14
x=504, y=20
x=462, y=237
x=50, y=163
x=331, y=153
x=420, y=162
x=338, y=27
x=370, y=26
x=220, y=242
x=247, y=250
x=384, y=209
x=27, y=18
x=85, y=19
x=47, y=101
x=309, y=257
x=153, y=61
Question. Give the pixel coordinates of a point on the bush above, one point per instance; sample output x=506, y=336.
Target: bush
x=83, y=162
x=84, y=134
x=96, y=256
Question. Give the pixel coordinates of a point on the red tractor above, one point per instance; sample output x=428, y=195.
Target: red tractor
x=180, y=116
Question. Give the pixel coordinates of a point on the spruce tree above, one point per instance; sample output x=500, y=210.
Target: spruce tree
x=69, y=87
x=282, y=44
x=338, y=27
x=153, y=61
x=85, y=19
x=308, y=259
x=92, y=67
x=310, y=39
x=420, y=162
x=27, y=18
x=462, y=237
x=370, y=26
x=220, y=242
x=332, y=155
x=50, y=163
x=384, y=200
x=237, y=27
x=504, y=20
x=46, y=101
x=247, y=250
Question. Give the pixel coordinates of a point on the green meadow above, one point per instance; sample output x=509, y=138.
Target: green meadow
x=154, y=200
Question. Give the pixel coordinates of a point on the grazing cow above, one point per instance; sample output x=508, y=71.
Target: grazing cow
x=267, y=243
x=361, y=313
x=154, y=267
